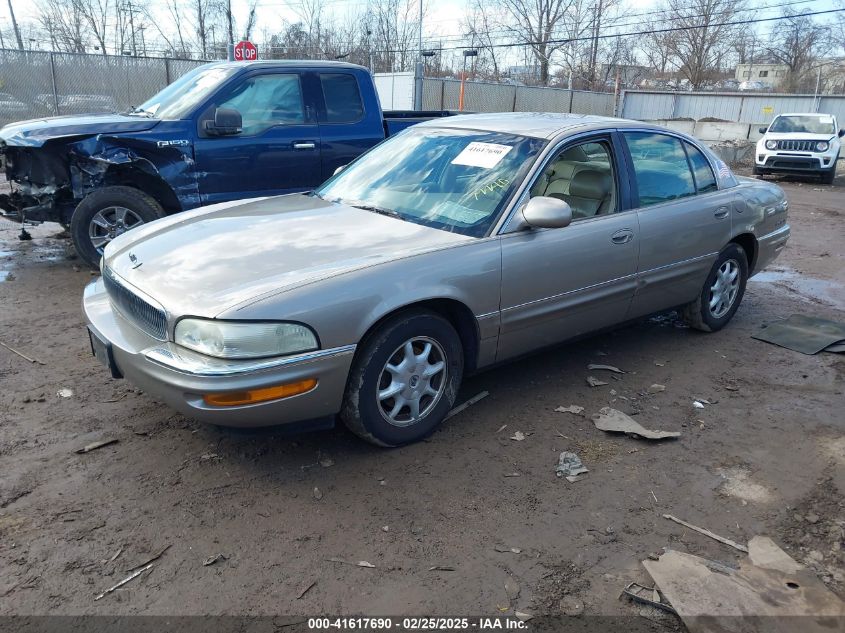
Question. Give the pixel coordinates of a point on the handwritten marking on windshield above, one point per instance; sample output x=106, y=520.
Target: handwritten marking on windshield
x=490, y=187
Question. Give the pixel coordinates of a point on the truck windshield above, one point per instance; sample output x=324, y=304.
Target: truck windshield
x=180, y=98
x=804, y=124
x=454, y=180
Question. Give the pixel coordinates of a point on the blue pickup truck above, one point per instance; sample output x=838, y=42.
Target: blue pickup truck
x=224, y=131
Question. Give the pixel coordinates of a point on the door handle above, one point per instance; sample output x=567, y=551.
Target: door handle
x=304, y=145
x=722, y=212
x=623, y=236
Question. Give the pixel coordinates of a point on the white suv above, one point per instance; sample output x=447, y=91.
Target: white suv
x=799, y=144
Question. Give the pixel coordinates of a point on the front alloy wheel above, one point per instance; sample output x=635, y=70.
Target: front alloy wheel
x=412, y=382
x=110, y=222
x=404, y=378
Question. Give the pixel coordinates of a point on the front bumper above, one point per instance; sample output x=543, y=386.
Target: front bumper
x=790, y=162
x=180, y=377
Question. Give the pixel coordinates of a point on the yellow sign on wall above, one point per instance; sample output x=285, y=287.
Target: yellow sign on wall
x=768, y=109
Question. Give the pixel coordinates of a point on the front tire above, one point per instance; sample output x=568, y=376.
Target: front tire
x=106, y=213
x=404, y=379
x=722, y=292
x=828, y=175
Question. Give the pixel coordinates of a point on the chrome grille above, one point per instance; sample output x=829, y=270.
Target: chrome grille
x=147, y=317
x=798, y=146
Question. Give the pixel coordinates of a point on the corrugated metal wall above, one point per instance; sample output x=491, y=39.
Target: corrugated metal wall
x=479, y=96
x=737, y=107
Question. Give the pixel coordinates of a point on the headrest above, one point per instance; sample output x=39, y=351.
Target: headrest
x=590, y=184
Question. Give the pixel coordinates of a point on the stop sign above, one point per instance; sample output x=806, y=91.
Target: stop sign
x=245, y=52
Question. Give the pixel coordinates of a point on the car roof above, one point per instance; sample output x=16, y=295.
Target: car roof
x=545, y=125
x=290, y=63
x=805, y=114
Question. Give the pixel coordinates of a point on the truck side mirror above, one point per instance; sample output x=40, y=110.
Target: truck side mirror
x=227, y=122
x=763, y=129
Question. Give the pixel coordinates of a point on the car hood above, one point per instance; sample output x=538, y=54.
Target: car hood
x=219, y=258
x=36, y=132
x=797, y=136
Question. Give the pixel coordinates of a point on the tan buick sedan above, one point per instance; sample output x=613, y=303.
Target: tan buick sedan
x=457, y=244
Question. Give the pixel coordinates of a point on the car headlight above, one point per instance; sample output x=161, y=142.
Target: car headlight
x=771, y=144
x=822, y=146
x=243, y=339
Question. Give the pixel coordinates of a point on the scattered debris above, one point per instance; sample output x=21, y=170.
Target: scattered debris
x=608, y=419
x=512, y=589
x=21, y=354
x=807, y=335
x=513, y=475
x=466, y=404
x=660, y=363
x=716, y=537
x=360, y=563
x=213, y=559
x=656, y=388
x=95, y=445
x=769, y=591
x=441, y=568
x=615, y=370
x=595, y=382
x=501, y=428
x=572, y=408
x=306, y=589
x=518, y=436
x=327, y=462
x=507, y=550
x=152, y=559
x=385, y=528
x=64, y=392
x=647, y=595
x=569, y=465
x=654, y=496
x=697, y=405
x=114, y=557
x=317, y=493
x=524, y=617
x=130, y=577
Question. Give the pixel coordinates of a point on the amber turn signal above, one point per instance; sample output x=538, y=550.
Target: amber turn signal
x=253, y=396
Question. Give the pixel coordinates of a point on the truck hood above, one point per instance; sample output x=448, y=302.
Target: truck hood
x=36, y=132
x=207, y=261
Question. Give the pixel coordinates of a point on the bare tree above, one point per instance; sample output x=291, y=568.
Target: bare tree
x=535, y=22
x=65, y=25
x=95, y=13
x=480, y=23
x=797, y=42
x=702, y=34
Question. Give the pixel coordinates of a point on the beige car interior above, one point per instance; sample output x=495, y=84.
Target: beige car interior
x=582, y=176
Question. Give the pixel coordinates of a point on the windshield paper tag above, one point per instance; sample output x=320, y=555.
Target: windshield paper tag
x=826, y=119
x=485, y=155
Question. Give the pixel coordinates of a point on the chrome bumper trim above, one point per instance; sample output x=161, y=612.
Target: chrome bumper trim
x=187, y=362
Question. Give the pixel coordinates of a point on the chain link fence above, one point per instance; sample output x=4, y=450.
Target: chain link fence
x=37, y=83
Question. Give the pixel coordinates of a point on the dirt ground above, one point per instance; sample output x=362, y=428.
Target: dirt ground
x=767, y=456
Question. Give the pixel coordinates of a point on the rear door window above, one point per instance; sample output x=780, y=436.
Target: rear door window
x=342, y=97
x=266, y=101
x=661, y=169
x=705, y=180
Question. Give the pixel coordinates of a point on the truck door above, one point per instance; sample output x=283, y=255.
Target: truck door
x=278, y=150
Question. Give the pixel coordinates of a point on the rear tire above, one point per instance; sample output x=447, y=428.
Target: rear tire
x=106, y=213
x=722, y=292
x=404, y=379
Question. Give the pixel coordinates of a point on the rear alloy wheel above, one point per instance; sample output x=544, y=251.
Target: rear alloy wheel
x=404, y=380
x=722, y=292
x=106, y=213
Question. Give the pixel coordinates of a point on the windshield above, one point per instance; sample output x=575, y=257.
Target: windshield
x=179, y=98
x=454, y=180
x=808, y=124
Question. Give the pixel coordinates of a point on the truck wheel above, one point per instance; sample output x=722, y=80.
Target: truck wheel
x=106, y=213
x=722, y=291
x=404, y=380
x=756, y=171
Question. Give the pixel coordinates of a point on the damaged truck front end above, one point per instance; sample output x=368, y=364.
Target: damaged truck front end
x=96, y=185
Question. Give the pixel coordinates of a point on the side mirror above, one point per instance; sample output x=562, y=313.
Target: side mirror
x=544, y=212
x=841, y=133
x=227, y=122
x=338, y=170
x=764, y=129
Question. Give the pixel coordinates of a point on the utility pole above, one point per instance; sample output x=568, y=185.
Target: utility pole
x=143, y=42
x=15, y=26
x=132, y=28
x=230, y=47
